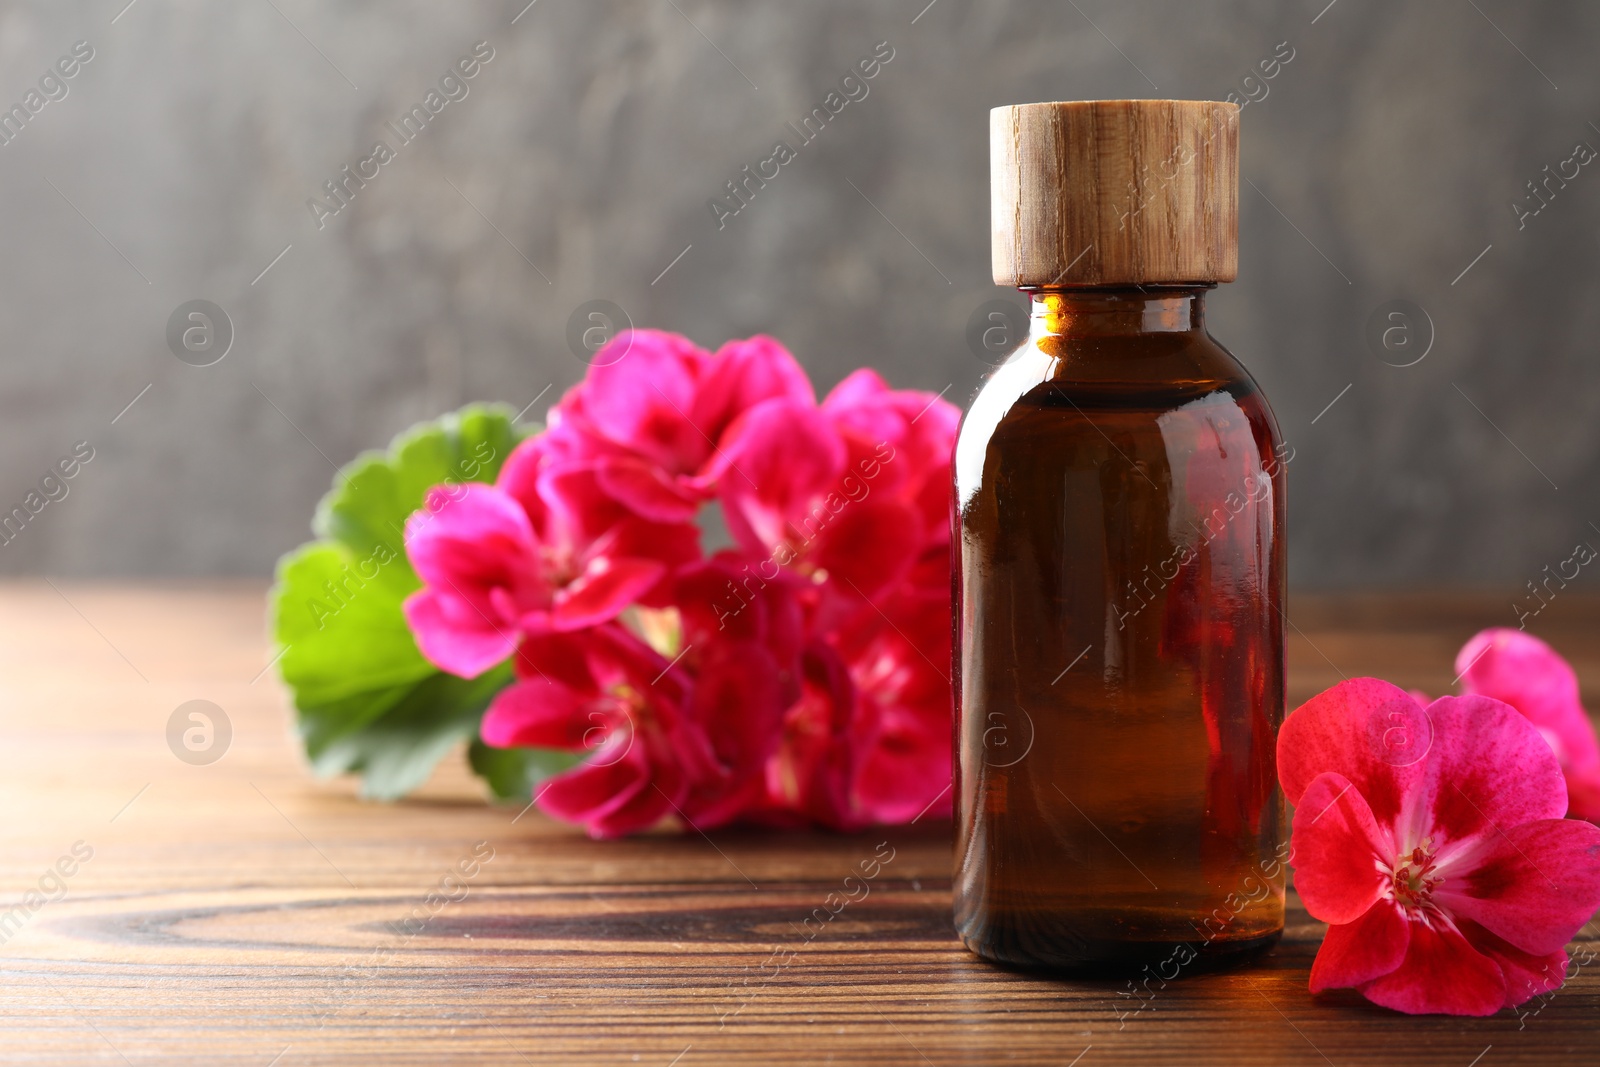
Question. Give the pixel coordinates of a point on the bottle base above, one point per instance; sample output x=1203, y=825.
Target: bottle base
x=1093, y=958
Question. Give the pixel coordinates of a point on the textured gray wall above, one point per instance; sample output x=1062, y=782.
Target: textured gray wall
x=1383, y=160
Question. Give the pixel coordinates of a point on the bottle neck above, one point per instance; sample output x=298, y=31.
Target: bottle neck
x=1115, y=311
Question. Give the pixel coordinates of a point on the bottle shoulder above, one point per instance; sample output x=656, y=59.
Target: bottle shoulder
x=1151, y=372
x=1054, y=389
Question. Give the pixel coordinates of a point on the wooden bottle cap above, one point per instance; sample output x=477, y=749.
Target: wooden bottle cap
x=1114, y=192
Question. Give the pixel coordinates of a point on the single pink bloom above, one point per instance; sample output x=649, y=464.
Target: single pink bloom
x=853, y=492
x=643, y=400
x=741, y=375
x=606, y=693
x=544, y=549
x=919, y=429
x=697, y=729
x=1528, y=674
x=780, y=459
x=653, y=408
x=574, y=515
x=1449, y=877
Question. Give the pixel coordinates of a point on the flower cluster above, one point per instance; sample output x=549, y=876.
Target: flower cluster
x=1432, y=838
x=794, y=676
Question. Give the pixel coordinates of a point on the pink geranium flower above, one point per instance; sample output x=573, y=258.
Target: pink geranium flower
x=853, y=493
x=919, y=428
x=1448, y=876
x=696, y=730
x=606, y=693
x=1528, y=674
x=654, y=407
x=544, y=549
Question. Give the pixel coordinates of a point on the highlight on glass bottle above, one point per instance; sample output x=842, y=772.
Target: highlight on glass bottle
x=1119, y=563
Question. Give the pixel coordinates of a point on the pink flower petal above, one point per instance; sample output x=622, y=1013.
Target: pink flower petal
x=655, y=792
x=731, y=598
x=1489, y=878
x=473, y=547
x=1347, y=730
x=648, y=490
x=906, y=772
x=779, y=459
x=861, y=389
x=723, y=597
x=1526, y=975
x=742, y=374
x=605, y=588
x=1487, y=769
x=1534, y=885
x=813, y=772
x=922, y=422
x=592, y=794
x=519, y=474
x=450, y=639
x=863, y=409
x=639, y=810
x=1338, y=847
x=576, y=507
x=1583, y=795
x=737, y=701
x=1528, y=674
x=1360, y=951
x=671, y=544
x=539, y=713
x=472, y=535
x=867, y=544
x=901, y=732
x=1456, y=768
x=643, y=400
x=1441, y=973
x=560, y=657
x=899, y=441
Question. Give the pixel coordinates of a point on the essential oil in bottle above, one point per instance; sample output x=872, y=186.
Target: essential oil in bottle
x=1119, y=563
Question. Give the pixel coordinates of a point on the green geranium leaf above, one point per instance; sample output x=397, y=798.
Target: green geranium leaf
x=367, y=700
x=397, y=749
x=513, y=773
x=374, y=494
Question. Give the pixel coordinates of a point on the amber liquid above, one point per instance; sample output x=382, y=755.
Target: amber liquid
x=1119, y=644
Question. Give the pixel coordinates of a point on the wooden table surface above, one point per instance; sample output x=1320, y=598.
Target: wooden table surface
x=244, y=913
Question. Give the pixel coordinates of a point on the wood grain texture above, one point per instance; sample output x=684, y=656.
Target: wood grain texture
x=244, y=913
x=1114, y=192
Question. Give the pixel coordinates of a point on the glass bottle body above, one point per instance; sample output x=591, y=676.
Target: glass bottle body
x=1119, y=586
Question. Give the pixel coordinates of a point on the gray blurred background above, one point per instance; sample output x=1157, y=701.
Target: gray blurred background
x=1383, y=163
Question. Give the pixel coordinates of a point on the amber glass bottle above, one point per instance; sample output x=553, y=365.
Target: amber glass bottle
x=1119, y=571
